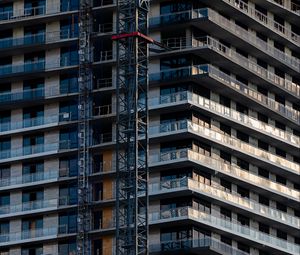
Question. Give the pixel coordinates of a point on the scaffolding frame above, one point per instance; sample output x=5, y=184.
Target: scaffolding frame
x=132, y=229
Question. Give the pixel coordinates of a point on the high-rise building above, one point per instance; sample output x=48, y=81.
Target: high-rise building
x=224, y=127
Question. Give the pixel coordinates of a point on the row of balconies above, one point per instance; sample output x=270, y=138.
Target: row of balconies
x=217, y=192
x=218, y=165
x=223, y=111
x=35, y=150
x=243, y=89
x=234, y=144
x=230, y=226
x=38, y=39
x=264, y=20
x=218, y=47
x=232, y=27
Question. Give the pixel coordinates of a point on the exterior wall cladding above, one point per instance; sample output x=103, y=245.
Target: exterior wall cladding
x=224, y=107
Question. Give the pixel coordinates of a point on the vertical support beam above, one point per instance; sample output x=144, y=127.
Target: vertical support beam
x=84, y=110
x=132, y=129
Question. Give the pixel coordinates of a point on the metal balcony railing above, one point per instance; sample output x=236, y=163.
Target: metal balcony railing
x=223, y=111
x=217, y=192
x=104, y=83
x=103, y=138
x=36, y=149
x=105, y=28
x=103, y=110
x=231, y=26
x=37, y=66
x=237, y=145
x=231, y=226
x=215, y=45
x=185, y=72
x=225, y=168
x=32, y=205
x=37, y=233
x=34, y=122
x=264, y=20
x=205, y=242
x=40, y=38
x=104, y=56
x=25, y=13
x=29, y=178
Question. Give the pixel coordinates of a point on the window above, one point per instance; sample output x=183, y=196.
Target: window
x=263, y=200
x=4, y=200
x=242, y=164
x=68, y=111
x=33, y=89
x=281, y=207
x=67, y=222
x=262, y=117
x=34, y=34
x=280, y=152
x=168, y=8
x=32, y=250
x=68, y=166
x=264, y=228
x=68, y=84
x=263, y=172
x=33, y=116
x=69, y=27
x=29, y=225
x=68, y=194
x=4, y=148
x=226, y=185
x=4, y=121
x=281, y=234
x=31, y=196
x=263, y=145
x=225, y=156
x=6, y=11
x=242, y=136
x=69, y=56
x=34, y=7
x=280, y=179
x=68, y=139
x=34, y=61
x=33, y=144
x=225, y=129
x=243, y=192
x=243, y=220
x=4, y=173
x=69, y=5
x=67, y=248
x=243, y=247
x=225, y=214
x=226, y=240
x=33, y=171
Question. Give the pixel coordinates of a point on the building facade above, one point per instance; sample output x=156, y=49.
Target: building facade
x=224, y=133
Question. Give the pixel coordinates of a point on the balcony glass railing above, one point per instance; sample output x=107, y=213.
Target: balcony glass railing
x=217, y=192
x=218, y=109
x=213, y=72
x=36, y=149
x=229, y=26
x=225, y=168
x=264, y=20
x=25, y=13
x=233, y=227
x=37, y=66
x=215, y=45
x=33, y=234
x=237, y=145
x=29, y=178
x=205, y=242
x=41, y=38
x=30, y=206
x=34, y=122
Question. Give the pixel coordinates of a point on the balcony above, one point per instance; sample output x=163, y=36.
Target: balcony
x=260, y=74
x=106, y=56
x=105, y=28
x=29, y=236
x=225, y=112
x=257, y=46
x=103, y=138
x=33, y=67
x=227, y=169
x=29, y=124
x=23, y=14
x=31, y=207
x=263, y=20
x=235, y=144
x=218, y=193
x=37, y=39
x=206, y=243
x=103, y=83
x=28, y=179
x=232, y=227
x=36, y=150
x=232, y=84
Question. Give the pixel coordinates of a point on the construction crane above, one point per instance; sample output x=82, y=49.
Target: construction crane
x=84, y=110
